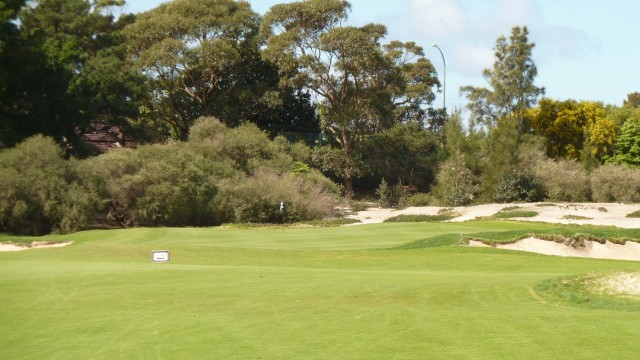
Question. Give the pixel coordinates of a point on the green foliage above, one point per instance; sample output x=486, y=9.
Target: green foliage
x=627, y=146
x=190, y=53
x=357, y=206
x=420, y=218
x=563, y=180
x=418, y=199
x=221, y=175
x=511, y=79
x=518, y=185
x=576, y=217
x=615, y=183
x=256, y=199
x=384, y=194
x=160, y=185
x=41, y=192
x=514, y=214
x=364, y=87
x=64, y=71
x=406, y=154
x=635, y=214
x=499, y=152
x=455, y=184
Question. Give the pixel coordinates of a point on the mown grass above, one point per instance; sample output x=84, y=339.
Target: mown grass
x=305, y=293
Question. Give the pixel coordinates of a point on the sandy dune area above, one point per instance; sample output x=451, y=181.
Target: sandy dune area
x=605, y=214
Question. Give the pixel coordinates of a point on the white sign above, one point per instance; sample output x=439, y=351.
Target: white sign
x=160, y=255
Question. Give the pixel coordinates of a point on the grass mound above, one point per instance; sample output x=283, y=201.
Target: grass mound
x=420, y=218
x=584, y=291
x=514, y=214
x=635, y=214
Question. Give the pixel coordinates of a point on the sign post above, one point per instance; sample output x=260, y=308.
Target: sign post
x=160, y=256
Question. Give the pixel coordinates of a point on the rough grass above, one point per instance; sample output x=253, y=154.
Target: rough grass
x=514, y=214
x=307, y=293
x=576, y=217
x=420, y=218
x=635, y=214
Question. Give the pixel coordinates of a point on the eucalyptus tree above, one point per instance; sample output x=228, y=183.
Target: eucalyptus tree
x=511, y=80
x=45, y=57
x=189, y=53
x=360, y=86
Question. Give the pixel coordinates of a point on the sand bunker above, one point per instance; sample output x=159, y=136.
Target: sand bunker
x=605, y=214
x=591, y=249
x=33, y=245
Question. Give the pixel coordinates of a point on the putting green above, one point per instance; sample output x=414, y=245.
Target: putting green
x=307, y=293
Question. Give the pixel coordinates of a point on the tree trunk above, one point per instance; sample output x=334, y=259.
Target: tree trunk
x=347, y=183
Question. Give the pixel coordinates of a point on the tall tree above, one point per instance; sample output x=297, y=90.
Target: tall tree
x=360, y=86
x=57, y=38
x=190, y=52
x=627, y=147
x=511, y=80
x=633, y=100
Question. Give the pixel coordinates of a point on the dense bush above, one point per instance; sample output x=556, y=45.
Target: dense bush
x=455, y=184
x=615, y=183
x=220, y=175
x=406, y=154
x=563, y=180
x=40, y=192
x=257, y=198
x=518, y=185
x=217, y=176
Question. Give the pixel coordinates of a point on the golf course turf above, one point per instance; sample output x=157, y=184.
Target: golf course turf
x=382, y=291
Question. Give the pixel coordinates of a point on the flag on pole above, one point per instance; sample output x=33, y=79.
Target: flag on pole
x=281, y=206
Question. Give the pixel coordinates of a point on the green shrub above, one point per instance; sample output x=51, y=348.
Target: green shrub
x=161, y=185
x=576, y=217
x=419, y=199
x=256, y=198
x=384, y=192
x=615, y=183
x=455, y=184
x=420, y=218
x=518, y=185
x=41, y=192
x=357, y=206
x=563, y=180
x=514, y=214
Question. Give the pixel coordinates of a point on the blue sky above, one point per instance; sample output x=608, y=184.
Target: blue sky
x=585, y=49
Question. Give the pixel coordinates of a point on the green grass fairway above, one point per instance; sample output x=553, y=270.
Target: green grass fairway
x=385, y=291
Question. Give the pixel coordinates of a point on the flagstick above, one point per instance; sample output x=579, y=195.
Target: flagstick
x=282, y=212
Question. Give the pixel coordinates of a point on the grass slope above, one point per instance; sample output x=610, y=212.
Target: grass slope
x=307, y=293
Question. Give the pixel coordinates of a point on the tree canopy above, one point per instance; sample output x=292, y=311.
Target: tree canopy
x=511, y=80
x=360, y=86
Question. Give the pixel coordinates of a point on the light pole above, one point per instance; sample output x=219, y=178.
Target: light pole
x=444, y=81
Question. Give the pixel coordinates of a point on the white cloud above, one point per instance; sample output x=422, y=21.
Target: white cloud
x=436, y=19
x=470, y=60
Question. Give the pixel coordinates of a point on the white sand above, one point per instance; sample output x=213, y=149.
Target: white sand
x=629, y=251
x=605, y=214
x=33, y=245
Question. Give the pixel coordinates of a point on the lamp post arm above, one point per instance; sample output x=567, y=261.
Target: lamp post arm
x=444, y=81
